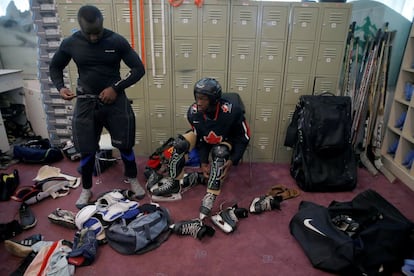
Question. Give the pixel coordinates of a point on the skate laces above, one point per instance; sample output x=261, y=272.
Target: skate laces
x=265, y=203
x=191, y=228
x=167, y=186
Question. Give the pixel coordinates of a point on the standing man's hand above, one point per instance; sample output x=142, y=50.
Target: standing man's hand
x=66, y=94
x=108, y=95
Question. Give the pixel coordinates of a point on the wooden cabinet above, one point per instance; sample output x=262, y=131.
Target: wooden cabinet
x=398, y=146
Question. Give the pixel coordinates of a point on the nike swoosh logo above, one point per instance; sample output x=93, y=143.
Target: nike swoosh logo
x=307, y=223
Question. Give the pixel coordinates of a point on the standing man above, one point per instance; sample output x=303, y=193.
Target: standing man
x=101, y=100
x=219, y=132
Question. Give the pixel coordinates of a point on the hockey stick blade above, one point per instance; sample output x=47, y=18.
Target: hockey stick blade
x=367, y=164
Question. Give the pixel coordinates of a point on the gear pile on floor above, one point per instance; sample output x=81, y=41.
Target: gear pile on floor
x=99, y=222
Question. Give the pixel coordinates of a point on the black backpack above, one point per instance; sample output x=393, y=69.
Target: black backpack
x=320, y=135
x=364, y=236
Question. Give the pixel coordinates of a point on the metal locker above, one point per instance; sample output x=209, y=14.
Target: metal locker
x=214, y=57
x=269, y=88
x=184, y=85
x=220, y=76
x=286, y=118
x=242, y=83
x=335, y=23
x=185, y=21
x=300, y=57
x=159, y=136
x=180, y=120
x=265, y=118
x=326, y=84
x=263, y=146
x=160, y=114
x=159, y=86
x=138, y=107
x=275, y=21
x=271, y=56
x=244, y=20
x=136, y=91
x=215, y=21
x=329, y=60
x=141, y=142
x=123, y=19
x=158, y=55
x=68, y=17
x=296, y=85
x=242, y=56
x=185, y=54
x=304, y=22
x=156, y=20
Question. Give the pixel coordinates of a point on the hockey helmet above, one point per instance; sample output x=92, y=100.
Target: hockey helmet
x=209, y=87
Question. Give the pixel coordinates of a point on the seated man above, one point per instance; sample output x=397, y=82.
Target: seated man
x=220, y=131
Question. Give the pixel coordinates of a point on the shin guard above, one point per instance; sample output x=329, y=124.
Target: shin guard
x=182, y=145
x=220, y=154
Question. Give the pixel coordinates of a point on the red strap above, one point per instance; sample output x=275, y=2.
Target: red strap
x=47, y=257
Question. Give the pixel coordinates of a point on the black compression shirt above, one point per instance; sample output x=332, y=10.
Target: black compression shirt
x=98, y=63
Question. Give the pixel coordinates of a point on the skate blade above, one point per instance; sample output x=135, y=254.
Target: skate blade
x=172, y=197
x=219, y=222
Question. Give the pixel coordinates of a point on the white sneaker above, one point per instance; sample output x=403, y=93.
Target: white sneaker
x=136, y=188
x=83, y=199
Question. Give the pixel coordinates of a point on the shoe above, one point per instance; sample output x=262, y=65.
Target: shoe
x=264, y=203
x=63, y=218
x=136, y=188
x=23, y=247
x=194, y=228
x=227, y=219
x=83, y=199
x=27, y=218
x=206, y=205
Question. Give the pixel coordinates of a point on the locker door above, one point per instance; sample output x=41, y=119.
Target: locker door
x=269, y=88
x=271, y=59
x=138, y=107
x=304, y=22
x=326, y=84
x=141, y=142
x=329, y=59
x=159, y=50
x=159, y=137
x=159, y=87
x=180, y=120
x=263, y=146
x=157, y=20
x=184, y=85
x=296, y=85
x=214, y=55
x=335, y=24
x=242, y=83
x=68, y=18
x=274, y=21
x=186, y=54
x=265, y=118
x=244, y=20
x=242, y=55
x=160, y=114
x=123, y=19
x=300, y=57
x=185, y=20
x=215, y=20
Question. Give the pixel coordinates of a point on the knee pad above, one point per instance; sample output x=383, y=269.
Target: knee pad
x=220, y=154
x=182, y=145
